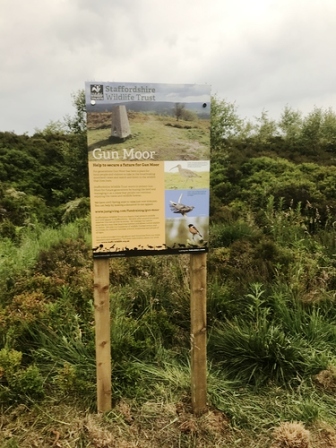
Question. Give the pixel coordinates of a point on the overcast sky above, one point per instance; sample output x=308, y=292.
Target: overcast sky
x=260, y=54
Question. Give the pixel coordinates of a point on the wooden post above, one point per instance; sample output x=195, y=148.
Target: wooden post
x=198, y=335
x=103, y=334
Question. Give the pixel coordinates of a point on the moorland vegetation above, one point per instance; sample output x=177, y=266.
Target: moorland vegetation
x=271, y=296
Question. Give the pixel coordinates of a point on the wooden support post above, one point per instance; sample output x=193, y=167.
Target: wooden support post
x=198, y=335
x=103, y=334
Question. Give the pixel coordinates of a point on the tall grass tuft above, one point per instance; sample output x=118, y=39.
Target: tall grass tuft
x=67, y=362
x=262, y=346
x=228, y=233
x=16, y=259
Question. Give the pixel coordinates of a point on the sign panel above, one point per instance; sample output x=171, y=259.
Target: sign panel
x=149, y=165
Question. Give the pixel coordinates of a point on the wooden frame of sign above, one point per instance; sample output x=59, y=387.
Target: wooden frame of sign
x=197, y=333
x=103, y=334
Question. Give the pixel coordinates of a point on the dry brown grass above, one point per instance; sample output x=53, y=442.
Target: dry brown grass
x=291, y=435
x=326, y=379
x=150, y=425
x=325, y=436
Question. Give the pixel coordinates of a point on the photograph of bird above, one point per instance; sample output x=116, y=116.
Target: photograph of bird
x=185, y=172
x=178, y=207
x=194, y=231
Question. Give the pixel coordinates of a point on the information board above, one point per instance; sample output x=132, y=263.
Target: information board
x=149, y=166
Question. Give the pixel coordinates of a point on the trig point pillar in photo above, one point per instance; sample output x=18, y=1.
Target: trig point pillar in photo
x=120, y=125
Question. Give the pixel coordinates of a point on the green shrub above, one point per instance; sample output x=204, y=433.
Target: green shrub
x=256, y=355
x=226, y=234
x=67, y=360
x=18, y=384
x=261, y=345
x=10, y=361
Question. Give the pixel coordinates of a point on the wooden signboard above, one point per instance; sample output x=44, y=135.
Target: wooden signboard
x=149, y=166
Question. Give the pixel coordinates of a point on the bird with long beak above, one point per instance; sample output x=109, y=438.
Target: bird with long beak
x=194, y=231
x=184, y=172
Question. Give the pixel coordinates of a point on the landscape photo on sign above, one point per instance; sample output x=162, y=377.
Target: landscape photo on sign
x=148, y=147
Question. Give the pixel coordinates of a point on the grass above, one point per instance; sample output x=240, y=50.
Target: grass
x=17, y=258
x=271, y=354
x=236, y=415
x=223, y=235
x=277, y=339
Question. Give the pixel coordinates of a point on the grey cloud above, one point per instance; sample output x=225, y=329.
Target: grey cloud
x=262, y=55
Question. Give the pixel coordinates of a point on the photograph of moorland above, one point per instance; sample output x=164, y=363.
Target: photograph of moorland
x=174, y=133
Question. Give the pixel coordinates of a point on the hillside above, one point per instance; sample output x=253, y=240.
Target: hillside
x=271, y=298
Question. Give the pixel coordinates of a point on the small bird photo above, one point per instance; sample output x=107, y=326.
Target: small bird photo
x=178, y=204
x=194, y=231
x=188, y=233
x=185, y=175
x=186, y=203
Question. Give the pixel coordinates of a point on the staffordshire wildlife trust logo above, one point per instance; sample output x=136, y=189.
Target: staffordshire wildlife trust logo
x=96, y=91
